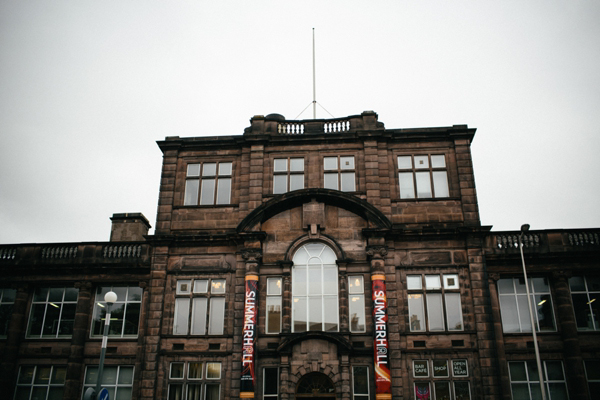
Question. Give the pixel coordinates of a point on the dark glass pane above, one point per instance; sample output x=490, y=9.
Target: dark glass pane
x=42, y=375
x=545, y=314
x=271, y=380
x=121, y=292
x=175, y=392
x=67, y=319
x=442, y=390
x=56, y=393
x=51, y=321
x=461, y=391
x=577, y=284
x=59, y=375
x=71, y=294
x=520, y=391
x=116, y=319
x=517, y=371
x=26, y=375
x=176, y=370
x=132, y=319
x=558, y=391
x=194, y=392
x=40, y=294
x=593, y=283
x=56, y=295
x=8, y=295
x=582, y=311
x=212, y=392
x=5, y=314
x=36, y=319
x=39, y=392
x=23, y=393
x=135, y=293
x=592, y=369
x=554, y=370
x=361, y=380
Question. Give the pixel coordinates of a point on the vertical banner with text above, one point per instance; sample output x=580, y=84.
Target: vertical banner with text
x=248, y=338
x=383, y=378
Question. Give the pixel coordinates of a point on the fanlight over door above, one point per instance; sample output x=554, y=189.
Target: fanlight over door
x=315, y=386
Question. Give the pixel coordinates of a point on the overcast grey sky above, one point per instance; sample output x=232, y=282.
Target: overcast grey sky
x=88, y=87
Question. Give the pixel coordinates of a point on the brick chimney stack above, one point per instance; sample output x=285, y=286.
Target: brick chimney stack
x=129, y=227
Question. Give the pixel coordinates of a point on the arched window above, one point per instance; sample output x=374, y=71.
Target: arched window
x=315, y=304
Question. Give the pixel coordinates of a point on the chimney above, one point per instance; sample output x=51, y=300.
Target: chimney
x=129, y=227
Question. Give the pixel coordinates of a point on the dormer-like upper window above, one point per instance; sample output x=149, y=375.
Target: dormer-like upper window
x=208, y=183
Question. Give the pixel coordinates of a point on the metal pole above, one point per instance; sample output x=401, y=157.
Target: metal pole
x=103, y=351
x=524, y=228
x=314, y=80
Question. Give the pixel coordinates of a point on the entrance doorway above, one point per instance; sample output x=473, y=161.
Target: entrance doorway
x=315, y=385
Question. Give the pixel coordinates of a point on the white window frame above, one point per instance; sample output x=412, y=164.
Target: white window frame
x=50, y=304
x=113, y=387
x=422, y=176
x=185, y=381
x=270, y=396
x=288, y=175
x=592, y=296
x=126, y=300
x=55, y=380
x=200, y=174
x=361, y=396
x=535, y=383
x=433, y=379
x=200, y=307
x=539, y=298
x=434, y=290
x=334, y=177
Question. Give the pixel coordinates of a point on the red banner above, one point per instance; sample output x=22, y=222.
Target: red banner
x=383, y=377
x=249, y=337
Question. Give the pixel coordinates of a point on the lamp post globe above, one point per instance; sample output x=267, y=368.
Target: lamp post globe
x=110, y=297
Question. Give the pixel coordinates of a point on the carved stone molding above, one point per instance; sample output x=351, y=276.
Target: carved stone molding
x=251, y=255
x=376, y=252
x=562, y=275
x=83, y=285
x=494, y=276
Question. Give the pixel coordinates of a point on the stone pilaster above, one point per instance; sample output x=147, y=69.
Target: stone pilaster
x=16, y=331
x=502, y=362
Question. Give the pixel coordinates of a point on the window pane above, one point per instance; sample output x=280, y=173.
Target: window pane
x=592, y=369
x=330, y=181
x=462, y=391
x=517, y=371
x=184, y=287
x=421, y=162
x=524, y=313
x=212, y=392
x=297, y=164
x=330, y=280
x=273, y=314
x=176, y=371
x=440, y=368
x=71, y=294
x=42, y=375
x=55, y=393
x=405, y=162
x=126, y=375
x=208, y=192
x=438, y=161
x=558, y=391
x=434, y=312
x=330, y=318
x=217, y=316
x=545, y=315
x=191, y=192
x=56, y=295
x=193, y=170
x=440, y=184
x=201, y=286
x=273, y=286
x=213, y=370
x=315, y=321
x=225, y=168
x=361, y=380
x=296, y=182
x=199, y=316
x=59, y=375
x=593, y=283
x=413, y=282
x=520, y=391
x=280, y=165
x=505, y=286
x=50, y=327
x=210, y=169
x=195, y=370
x=279, y=184
x=416, y=312
x=454, y=312
x=577, y=284
x=299, y=280
x=348, y=182
x=510, y=317
x=356, y=284
x=132, y=319
x=315, y=281
x=347, y=162
x=423, y=185
x=583, y=313
x=180, y=323
x=451, y=281
x=67, y=319
x=432, y=282
x=299, y=311
x=271, y=381
x=540, y=285
x=407, y=186
x=421, y=368
x=422, y=390
x=357, y=312
x=442, y=390
x=217, y=286
x=224, y=191
x=330, y=163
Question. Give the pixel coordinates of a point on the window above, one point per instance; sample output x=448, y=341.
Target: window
x=360, y=383
x=7, y=302
x=196, y=293
x=525, y=381
x=195, y=381
x=514, y=307
x=356, y=303
x=118, y=380
x=444, y=379
x=208, y=184
x=315, y=289
x=41, y=382
x=125, y=312
x=270, y=383
x=52, y=312
x=288, y=175
x=340, y=173
x=592, y=373
x=273, y=305
x=584, y=292
x=441, y=302
x=422, y=172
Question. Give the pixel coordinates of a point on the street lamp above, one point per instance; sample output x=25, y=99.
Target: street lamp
x=92, y=394
x=524, y=229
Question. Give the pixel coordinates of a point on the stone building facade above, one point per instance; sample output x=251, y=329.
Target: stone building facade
x=306, y=259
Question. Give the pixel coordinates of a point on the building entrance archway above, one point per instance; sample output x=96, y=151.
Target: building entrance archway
x=315, y=385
